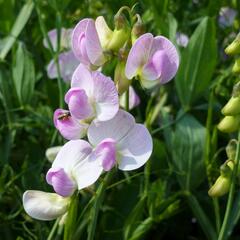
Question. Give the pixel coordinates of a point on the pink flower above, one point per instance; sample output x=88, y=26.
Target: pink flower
x=93, y=41
x=86, y=44
x=73, y=169
x=120, y=141
x=92, y=96
x=182, y=39
x=67, y=60
x=153, y=59
x=67, y=64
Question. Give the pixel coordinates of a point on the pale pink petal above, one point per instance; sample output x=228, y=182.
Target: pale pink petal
x=52, y=70
x=87, y=172
x=135, y=148
x=69, y=127
x=93, y=46
x=82, y=78
x=105, y=153
x=78, y=103
x=172, y=57
x=67, y=64
x=53, y=39
x=77, y=37
x=149, y=71
x=116, y=128
x=71, y=154
x=44, y=206
x=61, y=182
x=106, y=97
x=138, y=55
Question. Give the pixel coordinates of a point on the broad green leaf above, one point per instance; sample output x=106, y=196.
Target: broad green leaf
x=18, y=26
x=23, y=74
x=187, y=147
x=197, y=63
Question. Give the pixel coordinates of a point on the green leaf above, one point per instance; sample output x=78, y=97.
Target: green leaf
x=17, y=28
x=187, y=148
x=197, y=63
x=23, y=74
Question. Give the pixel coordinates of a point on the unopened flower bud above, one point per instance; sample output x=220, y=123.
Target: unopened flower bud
x=236, y=66
x=229, y=124
x=234, y=47
x=236, y=90
x=220, y=187
x=231, y=149
x=138, y=29
x=52, y=152
x=225, y=169
x=232, y=107
x=121, y=81
x=120, y=34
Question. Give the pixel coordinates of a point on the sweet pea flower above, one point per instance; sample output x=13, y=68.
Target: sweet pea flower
x=86, y=44
x=73, y=169
x=67, y=60
x=226, y=16
x=93, y=40
x=120, y=141
x=153, y=59
x=134, y=99
x=43, y=205
x=92, y=96
x=65, y=39
x=67, y=64
x=182, y=39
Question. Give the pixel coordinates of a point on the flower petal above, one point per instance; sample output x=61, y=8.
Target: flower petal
x=104, y=32
x=138, y=55
x=93, y=46
x=87, y=172
x=52, y=70
x=77, y=34
x=106, y=97
x=105, y=153
x=61, y=182
x=82, y=78
x=71, y=154
x=78, y=103
x=67, y=63
x=116, y=128
x=69, y=127
x=44, y=206
x=135, y=149
x=172, y=57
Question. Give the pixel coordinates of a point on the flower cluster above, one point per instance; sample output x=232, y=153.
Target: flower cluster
x=114, y=139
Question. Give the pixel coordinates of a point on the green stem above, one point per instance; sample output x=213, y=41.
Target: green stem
x=97, y=205
x=208, y=161
x=224, y=233
x=202, y=217
x=50, y=236
x=127, y=101
x=55, y=56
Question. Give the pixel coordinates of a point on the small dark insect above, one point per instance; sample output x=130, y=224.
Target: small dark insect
x=64, y=116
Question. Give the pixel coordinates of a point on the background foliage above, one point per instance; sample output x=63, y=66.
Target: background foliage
x=166, y=200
